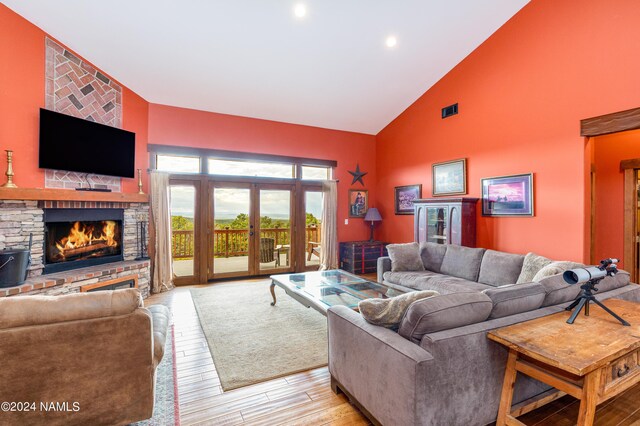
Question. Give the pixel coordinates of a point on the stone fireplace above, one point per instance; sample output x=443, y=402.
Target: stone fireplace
x=75, y=243
x=76, y=238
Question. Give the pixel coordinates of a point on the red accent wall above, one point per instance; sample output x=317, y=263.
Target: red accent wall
x=22, y=92
x=21, y=96
x=521, y=96
x=609, y=150
x=186, y=127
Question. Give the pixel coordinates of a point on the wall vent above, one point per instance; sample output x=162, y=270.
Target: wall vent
x=449, y=110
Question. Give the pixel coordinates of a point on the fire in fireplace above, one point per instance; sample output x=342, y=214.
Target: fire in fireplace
x=83, y=240
x=82, y=237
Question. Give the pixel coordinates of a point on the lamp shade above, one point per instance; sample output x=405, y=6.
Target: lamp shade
x=373, y=215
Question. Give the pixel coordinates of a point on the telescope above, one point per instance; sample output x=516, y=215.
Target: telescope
x=589, y=277
x=606, y=268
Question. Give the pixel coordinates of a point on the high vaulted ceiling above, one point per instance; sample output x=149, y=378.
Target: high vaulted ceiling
x=255, y=58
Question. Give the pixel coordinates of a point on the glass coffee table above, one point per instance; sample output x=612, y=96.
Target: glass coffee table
x=322, y=289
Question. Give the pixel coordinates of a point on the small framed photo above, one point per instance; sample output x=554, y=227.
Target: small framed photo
x=405, y=195
x=358, y=202
x=450, y=177
x=508, y=195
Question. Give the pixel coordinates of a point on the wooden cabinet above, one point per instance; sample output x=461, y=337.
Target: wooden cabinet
x=445, y=221
x=361, y=257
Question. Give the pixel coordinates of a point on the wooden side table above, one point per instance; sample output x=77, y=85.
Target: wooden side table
x=592, y=360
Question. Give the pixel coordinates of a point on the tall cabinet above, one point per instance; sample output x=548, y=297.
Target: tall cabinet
x=445, y=221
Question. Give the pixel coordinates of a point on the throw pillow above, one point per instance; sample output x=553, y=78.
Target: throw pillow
x=555, y=268
x=432, y=255
x=530, y=267
x=405, y=257
x=388, y=312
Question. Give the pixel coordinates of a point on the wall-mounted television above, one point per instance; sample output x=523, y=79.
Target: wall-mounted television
x=77, y=145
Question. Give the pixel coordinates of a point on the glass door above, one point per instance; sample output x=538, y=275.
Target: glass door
x=274, y=220
x=230, y=230
x=312, y=228
x=184, y=223
x=437, y=225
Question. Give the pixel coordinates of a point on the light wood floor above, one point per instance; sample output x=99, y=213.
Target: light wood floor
x=306, y=398
x=300, y=399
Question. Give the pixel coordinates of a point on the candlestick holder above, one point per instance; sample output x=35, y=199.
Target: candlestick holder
x=9, y=172
x=140, y=191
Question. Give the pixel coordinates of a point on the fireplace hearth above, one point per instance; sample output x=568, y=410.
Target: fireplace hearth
x=76, y=238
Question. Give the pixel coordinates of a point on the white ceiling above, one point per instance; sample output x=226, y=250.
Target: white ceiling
x=254, y=58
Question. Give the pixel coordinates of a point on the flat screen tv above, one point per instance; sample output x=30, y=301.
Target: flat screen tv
x=77, y=145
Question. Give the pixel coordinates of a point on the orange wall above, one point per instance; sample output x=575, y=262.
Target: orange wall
x=609, y=150
x=21, y=96
x=22, y=71
x=521, y=96
x=186, y=127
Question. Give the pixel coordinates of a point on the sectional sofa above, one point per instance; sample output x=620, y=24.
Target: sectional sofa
x=438, y=367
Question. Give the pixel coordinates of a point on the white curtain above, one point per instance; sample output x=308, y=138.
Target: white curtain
x=161, y=263
x=329, y=230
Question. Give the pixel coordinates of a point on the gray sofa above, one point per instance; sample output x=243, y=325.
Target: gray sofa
x=439, y=368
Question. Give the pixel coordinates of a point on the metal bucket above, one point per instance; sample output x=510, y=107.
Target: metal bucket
x=13, y=267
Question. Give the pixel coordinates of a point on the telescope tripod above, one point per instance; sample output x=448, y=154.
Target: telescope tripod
x=583, y=300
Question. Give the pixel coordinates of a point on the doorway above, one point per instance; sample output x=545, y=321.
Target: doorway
x=614, y=212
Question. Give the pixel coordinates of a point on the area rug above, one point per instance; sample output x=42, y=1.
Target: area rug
x=250, y=340
x=166, y=410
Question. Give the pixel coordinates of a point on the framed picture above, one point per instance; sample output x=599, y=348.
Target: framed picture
x=450, y=177
x=405, y=196
x=508, y=195
x=358, y=202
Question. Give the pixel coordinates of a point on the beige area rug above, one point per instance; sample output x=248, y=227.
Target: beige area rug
x=252, y=341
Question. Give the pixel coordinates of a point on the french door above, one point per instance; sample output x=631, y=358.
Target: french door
x=250, y=229
x=225, y=229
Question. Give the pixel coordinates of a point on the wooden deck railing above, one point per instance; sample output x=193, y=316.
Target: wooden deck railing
x=234, y=242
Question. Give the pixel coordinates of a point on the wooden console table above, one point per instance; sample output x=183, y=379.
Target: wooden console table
x=592, y=360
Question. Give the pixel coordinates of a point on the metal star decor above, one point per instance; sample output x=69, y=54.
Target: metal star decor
x=357, y=175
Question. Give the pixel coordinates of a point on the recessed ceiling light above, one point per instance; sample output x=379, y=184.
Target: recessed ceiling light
x=391, y=41
x=300, y=10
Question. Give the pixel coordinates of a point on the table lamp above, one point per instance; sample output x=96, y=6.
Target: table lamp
x=373, y=215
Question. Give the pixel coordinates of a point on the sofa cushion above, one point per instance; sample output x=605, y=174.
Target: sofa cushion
x=405, y=257
x=22, y=311
x=407, y=278
x=515, y=298
x=388, y=312
x=620, y=279
x=499, y=268
x=462, y=262
x=555, y=268
x=530, y=267
x=427, y=280
x=432, y=255
x=442, y=313
x=558, y=291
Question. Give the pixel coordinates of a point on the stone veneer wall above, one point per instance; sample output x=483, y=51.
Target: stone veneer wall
x=19, y=218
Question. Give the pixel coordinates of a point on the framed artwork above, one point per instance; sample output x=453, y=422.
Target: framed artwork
x=358, y=202
x=405, y=196
x=450, y=177
x=508, y=195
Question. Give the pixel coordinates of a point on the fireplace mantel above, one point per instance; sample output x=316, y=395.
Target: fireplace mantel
x=69, y=195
